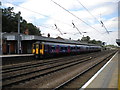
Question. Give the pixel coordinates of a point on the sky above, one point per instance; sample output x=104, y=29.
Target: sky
x=84, y=14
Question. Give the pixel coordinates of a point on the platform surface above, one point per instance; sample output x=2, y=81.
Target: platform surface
x=16, y=55
x=107, y=77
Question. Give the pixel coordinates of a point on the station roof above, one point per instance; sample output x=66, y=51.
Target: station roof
x=118, y=41
x=14, y=36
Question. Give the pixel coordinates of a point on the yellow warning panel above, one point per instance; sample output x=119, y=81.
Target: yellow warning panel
x=33, y=51
x=36, y=51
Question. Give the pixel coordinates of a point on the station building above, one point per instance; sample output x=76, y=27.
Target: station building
x=9, y=43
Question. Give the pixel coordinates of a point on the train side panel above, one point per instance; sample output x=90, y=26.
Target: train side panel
x=42, y=49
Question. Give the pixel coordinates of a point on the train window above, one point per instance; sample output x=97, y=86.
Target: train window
x=65, y=48
x=40, y=46
x=33, y=46
x=37, y=46
x=73, y=47
x=68, y=47
x=53, y=47
x=57, y=47
x=78, y=47
x=46, y=47
x=61, y=48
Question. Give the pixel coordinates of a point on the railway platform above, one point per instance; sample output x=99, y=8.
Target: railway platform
x=16, y=58
x=15, y=55
x=106, y=77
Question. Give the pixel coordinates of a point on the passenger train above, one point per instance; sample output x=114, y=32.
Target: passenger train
x=46, y=49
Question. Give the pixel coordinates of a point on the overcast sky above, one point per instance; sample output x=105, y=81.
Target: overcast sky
x=45, y=13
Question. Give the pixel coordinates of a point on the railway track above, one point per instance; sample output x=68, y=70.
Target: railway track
x=20, y=66
x=19, y=76
x=15, y=67
x=6, y=68
x=26, y=74
x=73, y=80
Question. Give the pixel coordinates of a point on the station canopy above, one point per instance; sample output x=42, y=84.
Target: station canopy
x=118, y=41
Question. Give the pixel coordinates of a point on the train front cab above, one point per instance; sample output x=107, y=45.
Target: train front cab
x=38, y=50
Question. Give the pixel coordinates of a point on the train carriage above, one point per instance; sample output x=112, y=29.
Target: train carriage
x=46, y=49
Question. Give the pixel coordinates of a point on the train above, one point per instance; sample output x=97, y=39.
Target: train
x=48, y=49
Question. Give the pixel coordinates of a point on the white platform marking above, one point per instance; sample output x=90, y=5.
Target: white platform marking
x=86, y=84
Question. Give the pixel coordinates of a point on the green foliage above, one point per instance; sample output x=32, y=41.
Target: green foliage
x=95, y=42
x=112, y=46
x=9, y=20
x=87, y=39
x=10, y=23
x=33, y=29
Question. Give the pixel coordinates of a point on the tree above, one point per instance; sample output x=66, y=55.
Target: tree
x=95, y=42
x=33, y=29
x=85, y=39
x=10, y=23
x=8, y=20
x=112, y=46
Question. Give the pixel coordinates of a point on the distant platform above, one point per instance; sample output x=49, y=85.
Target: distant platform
x=107, y=76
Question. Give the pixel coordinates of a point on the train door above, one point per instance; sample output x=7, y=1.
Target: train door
x=37, y=49
x=57, y=49
x=48, y=48
x=33, y=48
x=4, y=48
x=8, y=48
x=42, y=48
x=68, y=49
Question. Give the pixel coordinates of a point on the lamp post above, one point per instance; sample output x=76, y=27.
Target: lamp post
x=19, y=39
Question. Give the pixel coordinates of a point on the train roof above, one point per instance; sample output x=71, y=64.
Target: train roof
x=58, y=43
x=14, y=36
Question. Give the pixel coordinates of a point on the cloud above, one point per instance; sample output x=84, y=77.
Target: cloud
x=7, y=5
x=53, y=14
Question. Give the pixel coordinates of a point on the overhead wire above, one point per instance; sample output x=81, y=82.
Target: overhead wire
x=39, y=13
x=93, y=16
x=52, y=17
x=88, y=11
x=58, y=29
x=28, y=9
x=74, y=26
x=78, y=17
x=42, y=15
x=104, y=27
x=74, y=15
